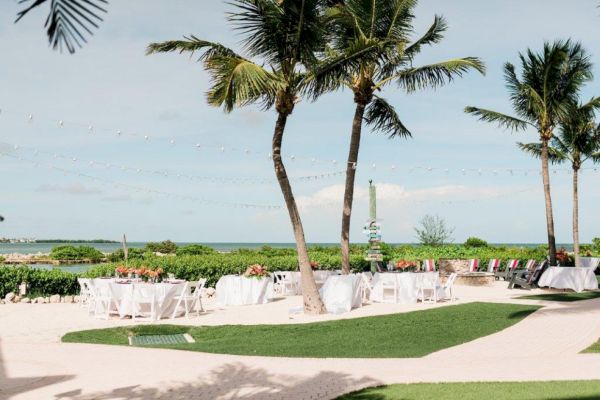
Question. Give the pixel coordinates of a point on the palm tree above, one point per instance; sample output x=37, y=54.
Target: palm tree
x=578, y=141
x=68, y=21
x=549, y=83
x=286, y=35
x=387, y=25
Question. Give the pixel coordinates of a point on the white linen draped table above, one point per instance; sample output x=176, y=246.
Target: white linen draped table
x=577, y=279
x=234, y=290
x=320, y=278
x=341, y=293
x=122, y=292
x=407, y=282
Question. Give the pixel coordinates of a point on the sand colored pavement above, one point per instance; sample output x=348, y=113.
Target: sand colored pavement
x=34, y=364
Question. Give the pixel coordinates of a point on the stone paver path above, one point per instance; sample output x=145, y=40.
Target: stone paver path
x=35, y=365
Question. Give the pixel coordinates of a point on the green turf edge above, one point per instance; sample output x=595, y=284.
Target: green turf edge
x=555, y=390
x=562, y=297
x=405, y=335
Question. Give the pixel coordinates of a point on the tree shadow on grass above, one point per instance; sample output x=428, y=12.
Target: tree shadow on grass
x=234, y=381
x=10, y=387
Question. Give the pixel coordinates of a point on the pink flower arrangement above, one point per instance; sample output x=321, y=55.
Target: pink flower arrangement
x=256, y=271
x=404, y=265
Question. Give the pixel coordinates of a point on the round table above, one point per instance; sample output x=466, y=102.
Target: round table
x=234, y=290
x=407, y=283
x=122, y=293
x=341, y=293
x=577, y=279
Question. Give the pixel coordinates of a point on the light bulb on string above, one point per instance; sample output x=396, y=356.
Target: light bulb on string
x=60, y=124
x=172, y=141
x=30, y=118
x=90, y=128
x=118, y=133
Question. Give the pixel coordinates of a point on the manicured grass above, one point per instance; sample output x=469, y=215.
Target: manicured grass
x=565, y=390
x=406, y=335
x=567, y=296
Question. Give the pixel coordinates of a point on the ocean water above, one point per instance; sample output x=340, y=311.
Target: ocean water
x=34, y=248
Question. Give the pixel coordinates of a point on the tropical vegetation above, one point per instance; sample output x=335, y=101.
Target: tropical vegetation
x=76, y=253
x=577, y=142
x=541, y=98
x=433, y=231
x=355, y=27
x=356, y=338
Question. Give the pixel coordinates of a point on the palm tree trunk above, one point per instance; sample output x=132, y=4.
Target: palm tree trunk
x=576, y=215
x=310, y=292
x=548, y=198
x=349, y=189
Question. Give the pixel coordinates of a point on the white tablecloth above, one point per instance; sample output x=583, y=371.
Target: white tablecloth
x=577, y=279
x=341, y=293
x=320, y=278
x=233, y=290
x=122, y=293
x=408, y=285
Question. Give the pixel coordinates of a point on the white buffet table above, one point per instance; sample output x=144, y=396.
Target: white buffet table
x=233, y=290
x=341, y=293
x=122, y=292
x=577, y=279
x=407, y=283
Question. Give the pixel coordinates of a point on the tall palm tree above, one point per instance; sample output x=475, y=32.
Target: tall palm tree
x=387, y=25
x=68, y=21
x=578, y=141
x=286, y=35
x=549, y=84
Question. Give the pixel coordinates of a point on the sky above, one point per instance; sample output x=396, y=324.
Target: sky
x=110, y=141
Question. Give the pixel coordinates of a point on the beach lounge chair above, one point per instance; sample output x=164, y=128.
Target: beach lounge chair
x=511, y=267
x=429, y=265
x=473, y=265
x=494, y=265
x=528, y=279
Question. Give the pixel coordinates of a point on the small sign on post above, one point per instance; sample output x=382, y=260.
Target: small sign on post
x=373, y=231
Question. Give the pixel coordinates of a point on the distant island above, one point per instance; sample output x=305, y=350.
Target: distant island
x=26, y=240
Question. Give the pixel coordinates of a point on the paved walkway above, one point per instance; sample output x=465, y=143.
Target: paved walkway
x=35, y=365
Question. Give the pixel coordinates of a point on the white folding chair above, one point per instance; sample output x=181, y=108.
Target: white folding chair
x=429, y=283
x=105, y=296
x=190, y=298
x=389, y=285
x=365, y=286
x=84, y=292
x=286, y=284
x=144, y=297
x=447, y=289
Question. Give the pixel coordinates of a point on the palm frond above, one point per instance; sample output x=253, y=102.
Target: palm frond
x=68, y=21
x=191, y=44
x=237, y=82
x=382, y=117
x=535, y=150
x=434, y=75
x=503, y=120
x=434, y=35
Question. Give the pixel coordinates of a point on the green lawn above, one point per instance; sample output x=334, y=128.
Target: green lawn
x=566, y=390
x=405, y=335
x=567, y=296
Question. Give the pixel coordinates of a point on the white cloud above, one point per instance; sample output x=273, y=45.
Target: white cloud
x=75, y=189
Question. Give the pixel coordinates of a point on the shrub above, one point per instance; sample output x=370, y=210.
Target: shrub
x=596, y=244
x=194, y=250
x=40, y=282
x=119, y=255
x=434, y=231
x=475, y=242
x=165, y=247
x=73, y=253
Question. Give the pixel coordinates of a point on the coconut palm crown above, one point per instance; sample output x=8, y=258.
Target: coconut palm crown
x=578, y=141
x=282, y=40
x=357, y=26
x=541, y=98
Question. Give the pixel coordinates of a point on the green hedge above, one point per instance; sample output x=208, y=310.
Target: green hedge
x=214, y=266
x=76, y=253
x=415, y=253
x=40, y=282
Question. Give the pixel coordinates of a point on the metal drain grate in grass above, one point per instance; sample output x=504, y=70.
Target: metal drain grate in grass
x=146, y=340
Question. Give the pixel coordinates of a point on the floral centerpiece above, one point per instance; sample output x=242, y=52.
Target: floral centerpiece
x=256, y=271
x=314, y=265
x=142, y=273
x=406, y=266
